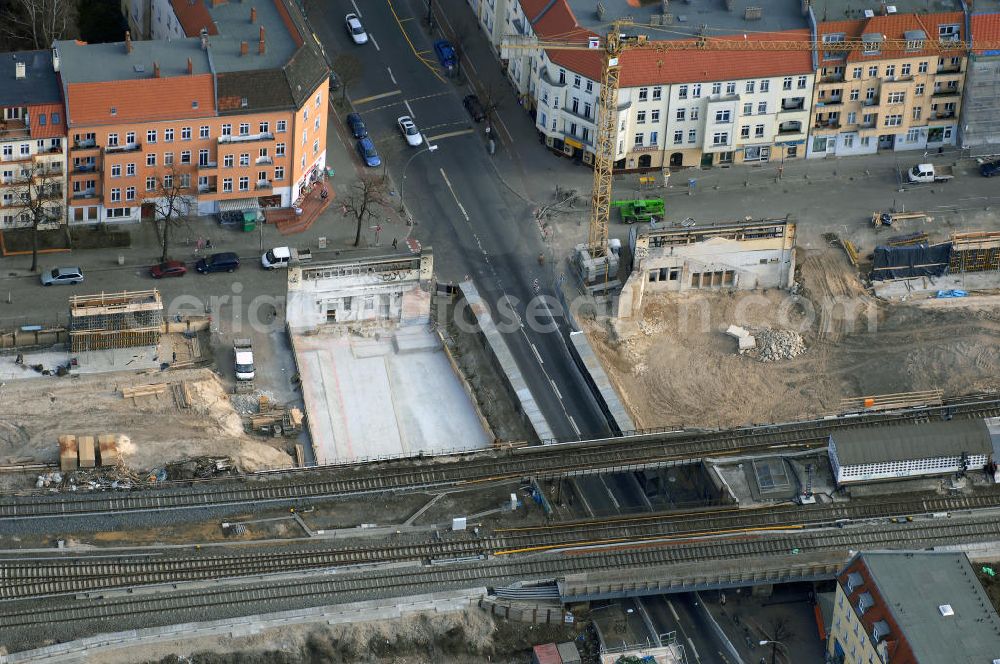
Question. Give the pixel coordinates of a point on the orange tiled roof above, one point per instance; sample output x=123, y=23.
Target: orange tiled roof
x=985, y=27
x=193, y=16
x=141, y=100
x=893, y=26
x=49, y=129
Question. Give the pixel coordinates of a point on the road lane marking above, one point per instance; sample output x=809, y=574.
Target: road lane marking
x=388, y=69
x=555, y=389
x=572, y=422
x=410, y=110
x=365, y=100
x=537, y=355
x=372, y=37
x=413, y=48
x=460, y=206
x=450, y=134
x=673, y=611
x=693, y=649
x=356, y=10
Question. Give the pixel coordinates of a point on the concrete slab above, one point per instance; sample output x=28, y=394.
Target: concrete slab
x=365, y=398
x=927, y=287
x=93, y=361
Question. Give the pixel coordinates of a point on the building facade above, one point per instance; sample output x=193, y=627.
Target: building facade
x=232, y=126
x=872, y=100
x=32, y=141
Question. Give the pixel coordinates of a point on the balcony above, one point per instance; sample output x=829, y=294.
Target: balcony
x=871, y=102
x=54, y=193
x=949, y=69
x=14, y=129
x=947, y=92
x=53, y=171
x=645, y=148
x=577, y=114
x=832, y=78
x=832, y=101
x=207, y=165
x=792, y=105
x=207, y=189
x=263, y=185
x=788, y=128
x=86, y=193
x=85, y=143
x=827, y=124
x=128, y=147
x=85, y=167
x=247, y=138
x=946, y=115
x=550, y=81
x=14, y=158
x=263, y=160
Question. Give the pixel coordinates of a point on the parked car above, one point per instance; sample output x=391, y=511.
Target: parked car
x=475, y=109
x=226, y=261
x=990, y=168
x=367, y=152
x=357, y=125
x=928, y=173
x=446, y=54
x=409, y=130
x=168, y=269
x=62, y=275
x=354, y=29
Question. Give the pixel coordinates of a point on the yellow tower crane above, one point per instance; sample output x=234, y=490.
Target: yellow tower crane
x=597, y=264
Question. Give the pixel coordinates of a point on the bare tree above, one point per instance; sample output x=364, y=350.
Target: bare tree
x=36, y=23
x=37, y=190
x=171, y=201
x=780, y=634
x=491, y=100
x=366, y=202
x=349, y=69
x=464, y=25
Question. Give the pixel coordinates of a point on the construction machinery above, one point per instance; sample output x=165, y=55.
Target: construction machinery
x=890, y=218
x=642, y=210
x=596, y=262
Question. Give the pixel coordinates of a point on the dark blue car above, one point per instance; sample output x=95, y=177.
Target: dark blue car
x=990, y=168
x=366, y=150
x=445, y=54
x=357, y=125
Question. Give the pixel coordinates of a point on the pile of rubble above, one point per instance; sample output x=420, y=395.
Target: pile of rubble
x=123, y=478
x=775, y=345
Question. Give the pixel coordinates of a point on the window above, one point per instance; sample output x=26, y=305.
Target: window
x=692, y=135
x=716, y=88
x=731, y=88
x=227, y=185
x=577, y=81
x=654, y=115
x=151, y=160
x=316, y=146
x=305, y=114
x=948, y=32
x=130, y=193
x=873, y=71
x=896, y=97
x=922, y=68
x=562, y=76
x=745, y=131
x=857, y=72
x=186, y=157
x=130, y=170
x=244, y=183
x=917, y=110
x=279, y=172
x=589, y=87
x=758, y=131
x=654, y=138
x=786, y=83
x=244, y=129
x=848, y=141
x=639, y=139
x=643, y=94
x=280, y=126
x=150, y=183
x=855, y=93
x=168, y=181
x=279, y=148
x=168, y=158
x=904, y=70
x=762, y=108
x=870, y=94
x=640, y=117
x=696, y=90
x=168, y=135
x=890, y=71
x=723, y=116
x=918, y=89
x=693, y=113
x=227, y=130
x=116, y=171
x=720, y=138
x=112, y=140
x=203, y=132
x=319, y=100
x=55, y=118
x=245, y=159
x=803, y=82
x=682, y=92
x=868, y=118
x=203, y=157
x=749, y=87
x=116, y=195
x=765, y=85
x=657, y=93
x=912, y=136
x=151, y=136
x=185, y=133
x=265, y=127
x=748, y=108
x=227, y=161
x=681, y=114
x=893, y=120
x=678, y=136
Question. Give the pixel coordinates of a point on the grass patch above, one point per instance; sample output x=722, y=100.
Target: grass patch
x=97, y=237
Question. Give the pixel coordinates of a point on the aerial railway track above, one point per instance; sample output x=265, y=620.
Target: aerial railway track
x=27, y=578
x=559, y=460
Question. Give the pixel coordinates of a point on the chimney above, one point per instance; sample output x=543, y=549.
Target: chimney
x=204, y=39
x=128, y=41
x=156, y=69
x=190, y=67
x=55, y=59
x=261, y=46
x=253, y=14
x=20, y=70
x=244, y=48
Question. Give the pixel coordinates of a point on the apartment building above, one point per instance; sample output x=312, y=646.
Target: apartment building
x=234, y=113
x=980, y=123
x=32, y=140
x=918, y=607
x=874, y=99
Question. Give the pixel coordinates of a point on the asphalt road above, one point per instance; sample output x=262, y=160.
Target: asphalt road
x=678, y=614
x=476, y=228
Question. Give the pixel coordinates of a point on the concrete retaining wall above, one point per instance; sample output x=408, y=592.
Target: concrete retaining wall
x=599, y=383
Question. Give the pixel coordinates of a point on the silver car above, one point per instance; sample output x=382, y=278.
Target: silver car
x=62, y=275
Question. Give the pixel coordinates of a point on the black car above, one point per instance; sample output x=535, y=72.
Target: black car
x=224, y=262
x=475, y=109
x=990, y=168
x=357, y=125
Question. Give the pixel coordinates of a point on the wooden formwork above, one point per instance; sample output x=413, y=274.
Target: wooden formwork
x=124, y=319
x=975, y=252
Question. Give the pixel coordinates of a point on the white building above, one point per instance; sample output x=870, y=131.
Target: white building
x=911, y=450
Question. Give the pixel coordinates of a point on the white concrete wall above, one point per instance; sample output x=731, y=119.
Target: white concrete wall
x=847, y=474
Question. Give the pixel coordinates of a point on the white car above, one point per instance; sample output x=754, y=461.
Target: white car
x=409, y=130
x=62, y=275
x=354, y=29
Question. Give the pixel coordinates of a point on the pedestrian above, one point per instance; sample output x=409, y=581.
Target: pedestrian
x=395, y=242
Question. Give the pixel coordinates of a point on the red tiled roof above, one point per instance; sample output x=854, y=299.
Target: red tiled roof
x=49, y=129
x=193, y=16
x=892, y=26
x=532, y=8
x=986, y=27
x=141, y=100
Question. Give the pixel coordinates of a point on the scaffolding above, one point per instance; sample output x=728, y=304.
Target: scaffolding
x=980, y=121
x=115, y=320
x=974, y=252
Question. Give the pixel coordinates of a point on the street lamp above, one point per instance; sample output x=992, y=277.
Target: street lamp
x=774, y=648
x=402, y=179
